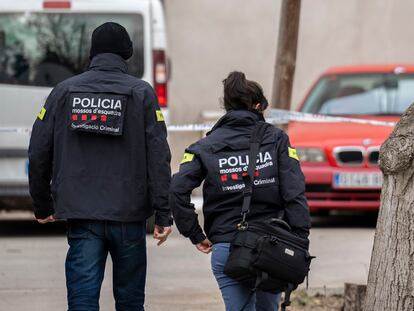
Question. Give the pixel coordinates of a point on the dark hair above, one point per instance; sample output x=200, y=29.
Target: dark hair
x=242, y=94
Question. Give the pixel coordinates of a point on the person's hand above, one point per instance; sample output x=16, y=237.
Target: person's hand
x=161, y=234
x=205, y=246
x=43, y=221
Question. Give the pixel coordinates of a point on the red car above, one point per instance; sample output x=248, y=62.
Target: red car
x=340, y=159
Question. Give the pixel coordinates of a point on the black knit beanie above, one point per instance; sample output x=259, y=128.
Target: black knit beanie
x=111, y=38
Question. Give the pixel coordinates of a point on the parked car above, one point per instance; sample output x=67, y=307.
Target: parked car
x=340, y=159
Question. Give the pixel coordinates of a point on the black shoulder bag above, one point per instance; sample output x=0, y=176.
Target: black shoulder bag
x=266, y=255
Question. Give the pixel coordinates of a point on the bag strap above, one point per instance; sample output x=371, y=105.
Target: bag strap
x=262, y=277
x=255, y=142
x=286, y=303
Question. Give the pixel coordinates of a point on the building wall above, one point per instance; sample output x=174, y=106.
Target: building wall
x=209, y=38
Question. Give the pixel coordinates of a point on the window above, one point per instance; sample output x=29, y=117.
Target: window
x=362, y=94
x=42, y=49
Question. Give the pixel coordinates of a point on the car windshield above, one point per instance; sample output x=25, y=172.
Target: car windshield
x=361, y=94
x=43, y=49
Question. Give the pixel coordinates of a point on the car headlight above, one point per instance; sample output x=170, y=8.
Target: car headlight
x=314, y=155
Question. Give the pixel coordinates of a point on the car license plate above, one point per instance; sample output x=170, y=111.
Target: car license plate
x=357, y=180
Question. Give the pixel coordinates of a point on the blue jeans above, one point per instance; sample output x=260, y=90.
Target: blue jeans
x=235, y=295
x=89, y=244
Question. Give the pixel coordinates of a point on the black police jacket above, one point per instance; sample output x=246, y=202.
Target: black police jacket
x=99, y=150
x=220, y=159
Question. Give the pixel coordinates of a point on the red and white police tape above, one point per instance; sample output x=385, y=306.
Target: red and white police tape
x=278, y=116
x=275, y=116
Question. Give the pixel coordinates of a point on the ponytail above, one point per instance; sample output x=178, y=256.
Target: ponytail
x=242, y=94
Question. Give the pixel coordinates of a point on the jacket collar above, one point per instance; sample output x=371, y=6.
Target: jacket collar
x=108, y=62
x=238, y=118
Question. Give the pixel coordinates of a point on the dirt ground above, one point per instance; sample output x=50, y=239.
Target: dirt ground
x=301, y=301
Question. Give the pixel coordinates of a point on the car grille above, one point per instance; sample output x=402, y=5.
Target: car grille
x=373, y=156
x=349, y=156
x=356, y=156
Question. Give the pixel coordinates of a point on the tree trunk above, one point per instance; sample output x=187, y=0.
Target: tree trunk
x=354, y=297
x=286, y=54
x=391, y=274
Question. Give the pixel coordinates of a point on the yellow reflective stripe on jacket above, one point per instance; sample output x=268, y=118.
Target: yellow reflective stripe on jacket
x=293, y=154
x=42, y=113
x=188, y=157
x=160, y=116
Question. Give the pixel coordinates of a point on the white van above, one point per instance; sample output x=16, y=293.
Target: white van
x=43, y=42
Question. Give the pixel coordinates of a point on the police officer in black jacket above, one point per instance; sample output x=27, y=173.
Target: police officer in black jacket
x=99, y=158
x=220, y=160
